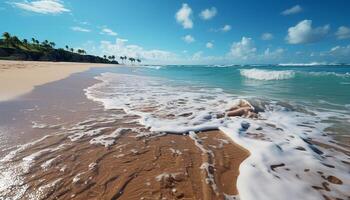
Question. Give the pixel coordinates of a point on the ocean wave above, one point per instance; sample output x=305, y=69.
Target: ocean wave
x=311, y=64
x=344, y=75
x=279, y=140
x=260, y=74
x=151, y=66
x=302, y=64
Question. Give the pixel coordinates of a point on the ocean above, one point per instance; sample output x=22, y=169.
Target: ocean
x=99, y=125
x=304, y=118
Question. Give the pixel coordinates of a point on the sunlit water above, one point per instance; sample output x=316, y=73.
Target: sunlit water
x=299, y=108
x=296, y=105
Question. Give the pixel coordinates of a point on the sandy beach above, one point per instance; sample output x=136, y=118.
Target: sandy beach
x=74, y=149
x=190, y=100
x=20, y=77
x=93, y=133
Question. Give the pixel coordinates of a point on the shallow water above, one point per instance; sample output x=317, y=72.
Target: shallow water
x=321, y=88
x=299, y=108
x=299, y=144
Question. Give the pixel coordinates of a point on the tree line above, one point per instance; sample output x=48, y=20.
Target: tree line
x=122, y=58
x=10, y=41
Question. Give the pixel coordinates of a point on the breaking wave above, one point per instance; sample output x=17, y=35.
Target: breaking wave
x=302, y=64
x=279, y=141
x=260, y=74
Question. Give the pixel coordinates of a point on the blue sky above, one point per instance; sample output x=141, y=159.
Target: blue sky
x=189, y=32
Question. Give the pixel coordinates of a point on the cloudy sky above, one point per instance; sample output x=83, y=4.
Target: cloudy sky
x=189, y=32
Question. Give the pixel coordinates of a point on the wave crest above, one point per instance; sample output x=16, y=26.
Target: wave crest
x=267, y=75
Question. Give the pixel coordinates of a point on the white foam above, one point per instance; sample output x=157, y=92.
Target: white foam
x=47, y=164
x=164, y=175
x=151, y=66
x=342, y=75
x=76, y=136
x=272, y=139
x=267, y=75
x=110, y=139
x=303, y=64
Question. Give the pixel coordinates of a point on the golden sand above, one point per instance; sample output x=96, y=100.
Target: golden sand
x=20, y=77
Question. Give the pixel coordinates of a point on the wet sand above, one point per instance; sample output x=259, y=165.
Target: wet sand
x=20, y=77
x=91, y=153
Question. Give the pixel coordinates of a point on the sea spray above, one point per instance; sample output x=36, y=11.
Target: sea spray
x=267, y=75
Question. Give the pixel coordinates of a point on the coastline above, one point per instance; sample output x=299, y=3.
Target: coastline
x=20, y=77
x=134, y=164
x=88, y=145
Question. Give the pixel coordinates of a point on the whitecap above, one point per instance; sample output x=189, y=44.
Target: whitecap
x=267, y=75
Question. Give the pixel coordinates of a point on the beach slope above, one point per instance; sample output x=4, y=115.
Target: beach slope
x=20, y=77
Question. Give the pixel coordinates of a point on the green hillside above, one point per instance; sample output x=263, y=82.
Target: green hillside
x=12, y=48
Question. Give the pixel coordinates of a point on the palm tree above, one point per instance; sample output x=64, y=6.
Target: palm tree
x=81, y=51
x=15, y=41
x=138, y=60
x=33, y=40
x=67, y=47
x=52, y=44
x=132, y=60
x=7, y=38
x=72, y=50
x=46, y=44
x=25, y=42
x=121, y=58
x=104, y=56
x=113, y=57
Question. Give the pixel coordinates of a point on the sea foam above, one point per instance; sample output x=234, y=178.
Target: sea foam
x=283, y=164
x=267, y=75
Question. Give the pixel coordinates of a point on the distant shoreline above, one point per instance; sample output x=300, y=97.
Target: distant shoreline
x=20, y=77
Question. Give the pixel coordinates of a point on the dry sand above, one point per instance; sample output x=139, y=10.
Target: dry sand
x=20, y=77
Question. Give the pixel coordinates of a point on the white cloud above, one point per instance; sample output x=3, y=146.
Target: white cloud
x=80, y=29
x=197, y=55
x=293, y=10
x=340, y=51
x=209, y=45
x=42, y=6
x=266, y=36
x=243, y=49
x=337, y=54
x=108, y=31
x=304, y=33
x=188, y=38
x=343, y=32
x=183, y=16
x=268, y=54
x=208, y=13
x=120, y=48
x=226, y=28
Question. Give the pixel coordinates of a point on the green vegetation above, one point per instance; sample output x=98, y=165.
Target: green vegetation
x=12, y=48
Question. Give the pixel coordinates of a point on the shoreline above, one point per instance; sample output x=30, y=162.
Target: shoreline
x=102, y=165
x=90, y=147
x=20, y=77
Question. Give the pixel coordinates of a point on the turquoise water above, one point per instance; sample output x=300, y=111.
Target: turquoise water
x=320, y=85
x=322, y=89
x=294, y=105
